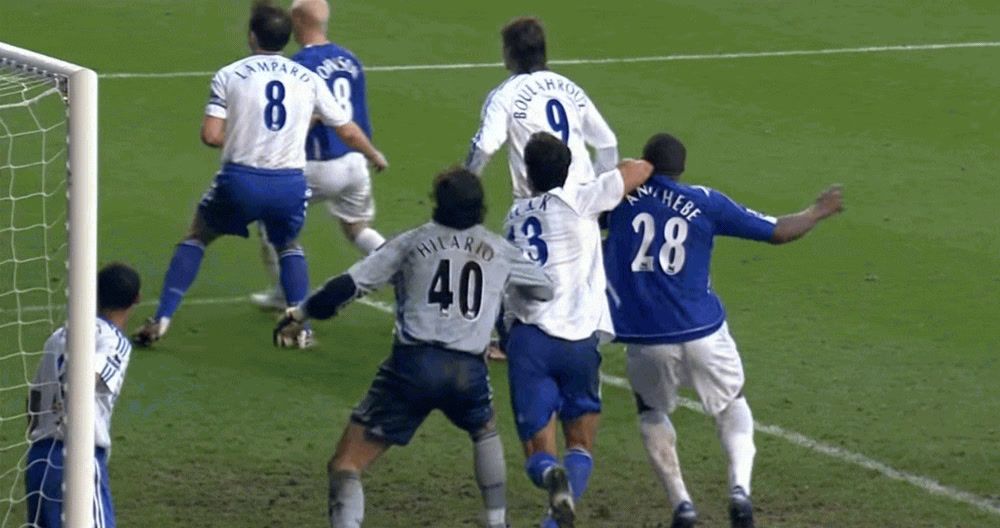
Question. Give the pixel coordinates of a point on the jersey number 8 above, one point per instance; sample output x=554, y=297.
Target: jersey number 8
x=672, y=253
x=274, y=112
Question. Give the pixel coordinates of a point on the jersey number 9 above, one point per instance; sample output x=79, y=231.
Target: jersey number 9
x=672, y=254
x=558, y=119
x=274, y=112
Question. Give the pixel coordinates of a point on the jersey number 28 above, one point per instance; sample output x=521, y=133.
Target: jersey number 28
x=672, y=253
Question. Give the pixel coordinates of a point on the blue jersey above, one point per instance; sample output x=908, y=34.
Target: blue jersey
x=658, y=254
x=343, y=74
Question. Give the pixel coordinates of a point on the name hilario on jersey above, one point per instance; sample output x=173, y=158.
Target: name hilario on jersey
x=658, y=255
x=449, y=283
x=342, y=73
x=111, y=361
x=558, y=231
x=543, y=101
x=268, y=103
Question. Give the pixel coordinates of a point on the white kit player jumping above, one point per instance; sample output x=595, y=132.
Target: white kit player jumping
x=536, y=99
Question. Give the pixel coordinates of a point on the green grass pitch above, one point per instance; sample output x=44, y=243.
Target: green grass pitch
x=876, y=334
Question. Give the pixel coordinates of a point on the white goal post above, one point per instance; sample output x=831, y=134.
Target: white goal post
x=79, y=87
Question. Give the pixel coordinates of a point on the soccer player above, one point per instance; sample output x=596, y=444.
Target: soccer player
x=449, y=275
x=259, y=111
x=657, y=256
x=553, y=361
x=536, y=99
x=336, y=173
x=117, y=294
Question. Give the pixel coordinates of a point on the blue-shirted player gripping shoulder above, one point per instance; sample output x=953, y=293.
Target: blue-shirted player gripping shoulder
x=337, y=173
x=259, y=111
x=657, y=256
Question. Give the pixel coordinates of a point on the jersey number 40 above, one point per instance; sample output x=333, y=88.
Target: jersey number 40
x=470, y=289
x=671, y=255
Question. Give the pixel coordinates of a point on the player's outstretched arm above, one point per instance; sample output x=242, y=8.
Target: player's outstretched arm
x=794, y=226
x=213, y=131
x=634, y=173
x=324, y=303
x=354, y=137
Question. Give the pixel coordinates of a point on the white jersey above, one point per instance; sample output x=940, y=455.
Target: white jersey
x=268, y=103
x=543, y=101
x=111, y=361
x=558, y=230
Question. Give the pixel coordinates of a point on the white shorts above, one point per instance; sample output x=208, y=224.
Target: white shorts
x=711, y=365
x=344, y=185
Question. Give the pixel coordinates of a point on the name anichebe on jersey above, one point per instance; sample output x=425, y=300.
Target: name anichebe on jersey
x=676, y=201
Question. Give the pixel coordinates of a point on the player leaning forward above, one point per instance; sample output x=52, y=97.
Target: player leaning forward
x=554, y=364
x=536, y=99
x=337, y=174
x=657, y=257
x=450, y=275
x=259, y=111
x=117, y=292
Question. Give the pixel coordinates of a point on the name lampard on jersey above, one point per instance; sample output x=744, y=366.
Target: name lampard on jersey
x=674, y=200
x=478, y=248
x=265, y=66
x=540, y=88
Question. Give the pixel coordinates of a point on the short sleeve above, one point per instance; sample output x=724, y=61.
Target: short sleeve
x=216, y=106
x=736, y=220
x=593, y=198
x=327, y=108
x=596, y=131
x=112, y=351
x=381, y=266
x=492, y=133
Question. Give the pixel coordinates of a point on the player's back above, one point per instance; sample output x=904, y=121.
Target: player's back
x=558, y=230
x=267, y=101
x=658, y=257
x=449, y=284
x=545, y=101
x=344, y=76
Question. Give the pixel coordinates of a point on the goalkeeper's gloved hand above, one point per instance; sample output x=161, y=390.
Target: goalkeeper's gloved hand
x=289, y=327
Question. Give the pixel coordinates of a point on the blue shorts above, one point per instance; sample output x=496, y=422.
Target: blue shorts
x=550, y=375
x=417, y=379
x=43, y=485
x=240, y=195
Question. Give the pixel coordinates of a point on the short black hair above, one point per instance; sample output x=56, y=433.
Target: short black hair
x=524, y=44
x=117, y=287
x=547, y=160
x=459, y=199
x=271, y=25
x=666, y=153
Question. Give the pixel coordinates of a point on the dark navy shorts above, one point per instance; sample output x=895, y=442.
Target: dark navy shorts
x=550, y=376
x=43, y=485
x=240, y=195
x=417, y=379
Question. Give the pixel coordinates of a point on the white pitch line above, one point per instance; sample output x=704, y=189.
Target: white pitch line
x=615, y=60
x=925, y=483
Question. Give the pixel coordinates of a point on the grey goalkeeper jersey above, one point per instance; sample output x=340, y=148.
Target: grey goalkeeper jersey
x=449, y=283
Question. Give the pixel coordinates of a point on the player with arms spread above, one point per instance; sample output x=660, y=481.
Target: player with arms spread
x=657, y=256
x=449, y=275
x=337, y=174
x=536, y=99
x=259, y=111
x=117, y=293
x=554, y=364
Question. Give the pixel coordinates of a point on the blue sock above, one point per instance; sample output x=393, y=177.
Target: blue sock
x=294, y=275
x=537, y=465
x=181, y=273
x=578, y=464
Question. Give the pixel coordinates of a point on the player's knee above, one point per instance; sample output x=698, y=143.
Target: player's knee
x=352, y=229
x=653, y=417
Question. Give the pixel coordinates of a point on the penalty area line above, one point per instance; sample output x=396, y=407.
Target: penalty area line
x=616, y=60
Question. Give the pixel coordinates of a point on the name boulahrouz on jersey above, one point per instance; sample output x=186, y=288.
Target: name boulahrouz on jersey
x=479, y=248
x=542, y=88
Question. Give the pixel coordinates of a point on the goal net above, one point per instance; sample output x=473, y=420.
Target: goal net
x=47, y=275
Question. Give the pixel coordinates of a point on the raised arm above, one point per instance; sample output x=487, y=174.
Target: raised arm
x=492, y=134
x=794, y=226
x=601, y=138
x=634, y=173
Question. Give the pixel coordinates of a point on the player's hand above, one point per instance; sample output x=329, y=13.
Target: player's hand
x=287, y=331
x=829, y=203
x=495, y=353
x=379, y=162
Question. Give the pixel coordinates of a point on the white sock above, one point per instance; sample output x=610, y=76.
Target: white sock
x=368, y=240
x=735, y=426
x=660, y=439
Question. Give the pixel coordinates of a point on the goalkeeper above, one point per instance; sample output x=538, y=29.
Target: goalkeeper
x=450, y=275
